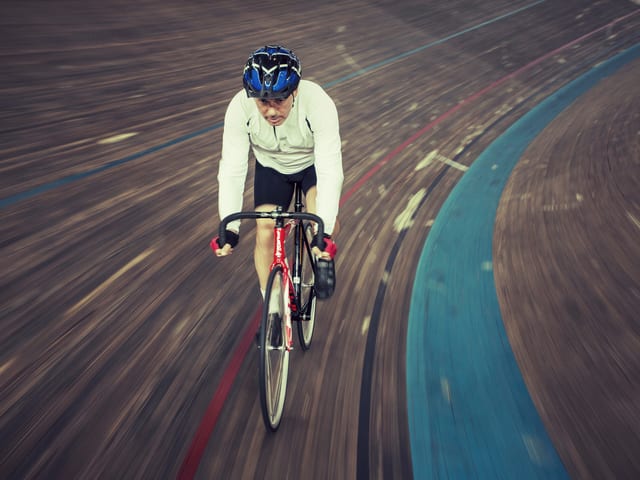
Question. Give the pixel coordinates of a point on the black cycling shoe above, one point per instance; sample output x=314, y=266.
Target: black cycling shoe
x=325, y=281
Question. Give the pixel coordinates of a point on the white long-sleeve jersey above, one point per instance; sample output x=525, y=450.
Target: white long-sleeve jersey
x=310, y=135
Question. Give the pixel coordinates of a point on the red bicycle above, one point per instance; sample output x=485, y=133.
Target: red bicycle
x=289, y=297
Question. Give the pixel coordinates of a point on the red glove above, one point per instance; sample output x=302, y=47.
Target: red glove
x=329, y=245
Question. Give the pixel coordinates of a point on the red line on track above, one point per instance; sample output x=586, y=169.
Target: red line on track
x=192, y=460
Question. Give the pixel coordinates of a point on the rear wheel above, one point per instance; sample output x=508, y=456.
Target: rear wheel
x=307, y=321
x=274, y=356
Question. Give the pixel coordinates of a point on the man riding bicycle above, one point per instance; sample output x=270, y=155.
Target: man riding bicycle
x=292, y=127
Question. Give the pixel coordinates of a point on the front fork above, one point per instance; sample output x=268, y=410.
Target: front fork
x=290, y=307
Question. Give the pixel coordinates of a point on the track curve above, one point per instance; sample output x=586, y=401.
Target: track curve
x=574, y=328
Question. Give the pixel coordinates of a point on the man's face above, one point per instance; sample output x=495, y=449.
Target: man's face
x=275, y=111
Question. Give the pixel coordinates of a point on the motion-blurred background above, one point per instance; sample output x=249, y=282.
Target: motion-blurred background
x=124, y=344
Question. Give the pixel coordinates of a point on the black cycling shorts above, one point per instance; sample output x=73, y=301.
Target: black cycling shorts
x=275, y=188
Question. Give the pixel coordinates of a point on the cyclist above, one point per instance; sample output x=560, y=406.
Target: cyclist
x=292, y=127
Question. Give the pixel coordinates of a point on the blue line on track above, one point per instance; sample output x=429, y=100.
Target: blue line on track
x=5, y=202
x=428, y=45
x=470, y=414
x=12, y=199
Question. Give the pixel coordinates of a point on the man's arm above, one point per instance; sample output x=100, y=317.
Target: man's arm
x=232, y=171
x=323, y=117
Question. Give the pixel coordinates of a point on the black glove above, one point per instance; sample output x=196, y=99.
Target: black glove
x=231, y=238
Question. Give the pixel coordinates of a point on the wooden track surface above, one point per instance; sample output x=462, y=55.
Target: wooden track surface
x=117, y=323
x=579, y=207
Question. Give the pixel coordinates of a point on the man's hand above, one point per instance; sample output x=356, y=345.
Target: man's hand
x=329, y=249
x=231, y=239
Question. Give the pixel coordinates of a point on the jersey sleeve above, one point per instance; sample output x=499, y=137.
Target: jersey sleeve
x=232, y=171
x=324, y=122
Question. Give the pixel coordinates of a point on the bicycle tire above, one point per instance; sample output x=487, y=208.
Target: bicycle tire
x=274, y=356
x=307, y=320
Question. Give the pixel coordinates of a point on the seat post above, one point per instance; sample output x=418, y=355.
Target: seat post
x=298, y=198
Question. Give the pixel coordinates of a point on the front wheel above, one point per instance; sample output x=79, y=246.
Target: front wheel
x=307, y=321
x=274, y=355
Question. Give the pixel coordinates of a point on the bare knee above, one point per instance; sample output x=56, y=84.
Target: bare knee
x=264, y=235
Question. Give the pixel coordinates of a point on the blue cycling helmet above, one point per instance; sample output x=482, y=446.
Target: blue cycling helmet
x=271, y=72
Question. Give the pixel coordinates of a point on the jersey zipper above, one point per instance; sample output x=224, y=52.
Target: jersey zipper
x=277, y=139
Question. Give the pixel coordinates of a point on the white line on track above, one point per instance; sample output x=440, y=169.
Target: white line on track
x=405, y=219
x=635, y=221
x=103, y=286
x=434, y=155
x=117, y=138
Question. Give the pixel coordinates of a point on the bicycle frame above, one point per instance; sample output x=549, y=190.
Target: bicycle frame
x=284, y=221
x=281, y=231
